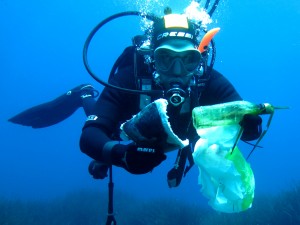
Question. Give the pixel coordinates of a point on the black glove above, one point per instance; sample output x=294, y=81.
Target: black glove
x=136, y=160
x=252, y=127
x=98, y=169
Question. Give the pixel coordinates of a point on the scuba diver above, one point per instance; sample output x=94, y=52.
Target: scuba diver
x=167, y=61
x=173, y=67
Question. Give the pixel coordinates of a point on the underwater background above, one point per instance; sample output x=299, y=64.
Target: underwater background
x=44, y=176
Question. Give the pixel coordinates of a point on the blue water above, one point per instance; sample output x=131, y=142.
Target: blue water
x=41, y=46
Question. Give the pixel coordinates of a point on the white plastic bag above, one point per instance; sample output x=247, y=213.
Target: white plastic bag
x=226, y=178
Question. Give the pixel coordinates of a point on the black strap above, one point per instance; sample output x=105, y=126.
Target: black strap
x=190, y=159
x=110, y=216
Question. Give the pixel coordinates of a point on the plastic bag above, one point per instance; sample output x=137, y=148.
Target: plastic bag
x=226, y=178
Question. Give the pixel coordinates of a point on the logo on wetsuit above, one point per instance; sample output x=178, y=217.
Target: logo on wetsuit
x=149, y=150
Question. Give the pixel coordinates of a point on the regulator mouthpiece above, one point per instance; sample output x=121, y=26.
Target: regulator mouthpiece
x=176, y=95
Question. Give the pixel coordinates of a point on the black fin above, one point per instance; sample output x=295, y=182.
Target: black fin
x=55, y=111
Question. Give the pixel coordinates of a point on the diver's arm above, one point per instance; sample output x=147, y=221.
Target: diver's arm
x=97, y=138
x=95, y=141
x=92, y=141
x=103, y=124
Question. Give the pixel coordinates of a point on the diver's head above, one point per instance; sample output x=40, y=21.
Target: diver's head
x=176, y=61
x=176, y=56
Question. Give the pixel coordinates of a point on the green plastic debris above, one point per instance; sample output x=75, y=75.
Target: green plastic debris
x=227, y=113
x=225, y=177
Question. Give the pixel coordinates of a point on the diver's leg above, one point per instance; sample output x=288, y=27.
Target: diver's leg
x=88, y=96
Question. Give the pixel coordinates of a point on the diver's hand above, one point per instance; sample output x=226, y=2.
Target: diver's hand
x=136, y=159
x=252, y=127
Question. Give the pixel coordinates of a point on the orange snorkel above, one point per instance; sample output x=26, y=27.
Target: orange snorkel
x=207, y=39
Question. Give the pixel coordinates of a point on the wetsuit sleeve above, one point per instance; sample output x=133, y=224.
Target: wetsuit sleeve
x=112, y=108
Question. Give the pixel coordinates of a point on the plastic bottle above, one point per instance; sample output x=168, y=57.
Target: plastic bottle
x=227, y=113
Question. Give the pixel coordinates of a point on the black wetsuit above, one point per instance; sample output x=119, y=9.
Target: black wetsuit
x=115, y=107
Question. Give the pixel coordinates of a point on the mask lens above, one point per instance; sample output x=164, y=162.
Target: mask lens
x=164, y=59
x=191, y=60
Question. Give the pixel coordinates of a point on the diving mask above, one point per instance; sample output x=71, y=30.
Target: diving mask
x=167, y=59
